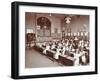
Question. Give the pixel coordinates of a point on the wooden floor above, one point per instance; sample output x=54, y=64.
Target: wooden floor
x=33, y=59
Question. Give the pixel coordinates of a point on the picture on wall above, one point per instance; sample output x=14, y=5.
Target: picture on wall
x=53, y=40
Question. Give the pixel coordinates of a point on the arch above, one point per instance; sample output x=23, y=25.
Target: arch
x=44, y=21
x=45, y=26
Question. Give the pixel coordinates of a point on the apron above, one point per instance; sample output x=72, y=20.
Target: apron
x=56, y=56
x=83, y=59
x=45, y=50
x=63, y=51
x=76, y=62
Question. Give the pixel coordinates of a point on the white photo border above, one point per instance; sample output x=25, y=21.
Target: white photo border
x=54, y=70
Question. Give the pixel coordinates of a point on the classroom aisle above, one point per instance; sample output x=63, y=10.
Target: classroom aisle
x=34, y=59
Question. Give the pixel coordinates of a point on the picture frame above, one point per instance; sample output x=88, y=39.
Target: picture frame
x=23, y=12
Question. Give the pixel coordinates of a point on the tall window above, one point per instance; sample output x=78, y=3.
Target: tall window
x=45, y=26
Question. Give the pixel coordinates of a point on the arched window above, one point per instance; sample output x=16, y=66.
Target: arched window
x=45, y=26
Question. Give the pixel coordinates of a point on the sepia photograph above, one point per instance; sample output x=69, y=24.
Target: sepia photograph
x=54, y=40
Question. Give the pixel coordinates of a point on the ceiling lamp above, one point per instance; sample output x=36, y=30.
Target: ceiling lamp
x=68, y=19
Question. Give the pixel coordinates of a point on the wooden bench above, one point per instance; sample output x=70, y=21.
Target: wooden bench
x=63, y=60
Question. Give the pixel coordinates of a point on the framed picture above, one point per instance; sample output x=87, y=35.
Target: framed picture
x=51, y=40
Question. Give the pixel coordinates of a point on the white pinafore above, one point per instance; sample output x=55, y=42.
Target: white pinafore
x=56, y=55
x=83, y=57
x=45, y=50
x=76, y=62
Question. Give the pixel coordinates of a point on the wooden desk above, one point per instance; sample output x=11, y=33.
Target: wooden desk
x=62, y=59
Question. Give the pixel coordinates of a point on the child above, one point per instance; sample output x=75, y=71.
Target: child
x=63, y=50
x=53, y=46
x=77, y=54
x=56, y=55
x=47, y=48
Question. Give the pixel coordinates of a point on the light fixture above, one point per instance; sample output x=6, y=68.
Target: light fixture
x=45, y=27
x=86, y=33
x=29, y=30
x=81, y=33
x=68, y=19
x=78, y=34
x=68, y=34
x=38, y=27
x=74, y=34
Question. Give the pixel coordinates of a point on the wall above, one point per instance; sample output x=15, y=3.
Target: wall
x=77, y=24
x=31, y=23
x=5, y=40
x=57, y=23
